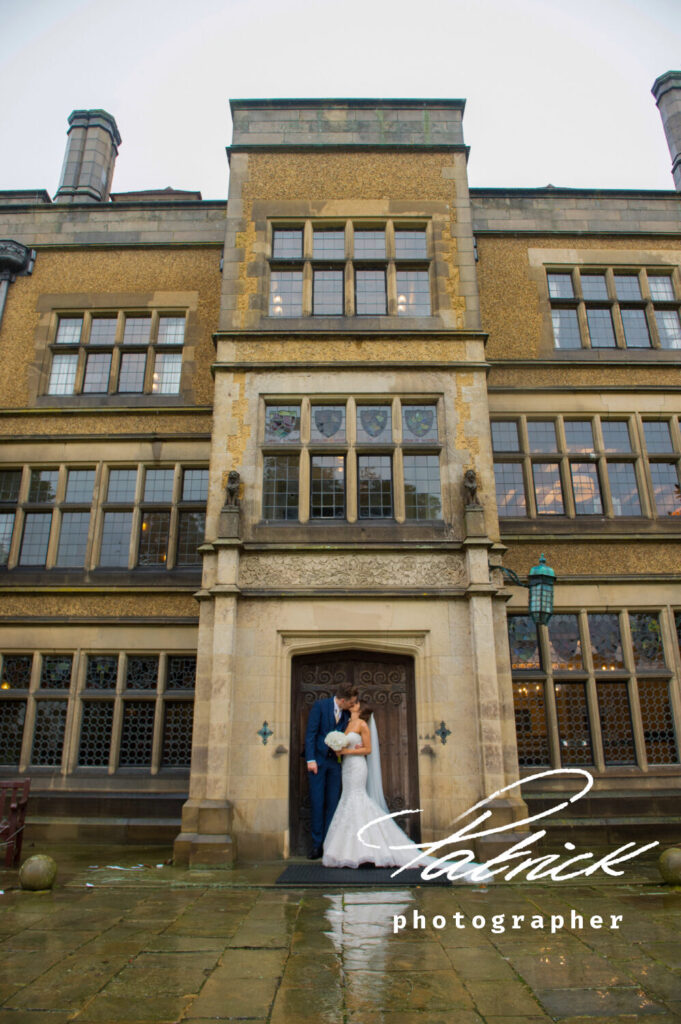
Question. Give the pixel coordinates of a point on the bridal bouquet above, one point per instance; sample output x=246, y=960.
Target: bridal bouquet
x=336, y=740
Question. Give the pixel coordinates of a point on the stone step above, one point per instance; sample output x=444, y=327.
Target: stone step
x=101, y=830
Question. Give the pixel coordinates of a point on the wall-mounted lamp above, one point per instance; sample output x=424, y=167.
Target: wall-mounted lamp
x=540, y=582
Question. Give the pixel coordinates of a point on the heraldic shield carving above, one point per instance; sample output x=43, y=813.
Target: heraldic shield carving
x=374, y=420
x=328, y=420
x=419, y=421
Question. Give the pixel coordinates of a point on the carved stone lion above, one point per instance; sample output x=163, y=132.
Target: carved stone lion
x=232, y=492
x=470, y=483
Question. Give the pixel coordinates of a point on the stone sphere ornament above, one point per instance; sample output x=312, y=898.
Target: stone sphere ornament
x=38, y=873
x=670, y=865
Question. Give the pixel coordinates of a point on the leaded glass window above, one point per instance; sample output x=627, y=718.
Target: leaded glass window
x=137, y=735
x=48, y=733
x=510, y=488
x=16, y=671
x=177, y=734
x=547, y=488
x=371, y=298
x=541, y=435
x=573, y=724
x=579, y=435
x=586, y=488
x=530, y=724
x=375, y=486
x=422, y=487
x=327, y=423
x=327, y=292
x=646, y=638
x=419, y=423
x=658, y=722
x=56, y=672
x=616, y=728
x=280, y=487
x=141, y=672
x=286, y=293
x=181, y=672
x=565, y=642
x=374, y=424
x=505, y=436
x=95, y=733
x=522, y=638
x=327, y=487
x=12, y=718
x=101, y=672
x=606, y=641
x=282, y=423
x=413, y=293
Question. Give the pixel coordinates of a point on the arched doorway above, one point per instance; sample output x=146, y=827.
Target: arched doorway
x=386, y=684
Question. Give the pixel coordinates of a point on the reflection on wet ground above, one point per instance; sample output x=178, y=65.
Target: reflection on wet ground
x=126, y=937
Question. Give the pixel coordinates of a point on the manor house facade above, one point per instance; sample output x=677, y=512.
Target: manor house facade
x=236, y=451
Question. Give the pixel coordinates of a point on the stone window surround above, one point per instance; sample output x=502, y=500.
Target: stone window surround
x=96, y=508
x=350, y=448
x=51, y=307
x=74, y=696
x=564, y=260
x=546, y=676
x=350, y=264
x=639, y=457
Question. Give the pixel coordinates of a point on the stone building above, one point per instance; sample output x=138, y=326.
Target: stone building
x=351, y=334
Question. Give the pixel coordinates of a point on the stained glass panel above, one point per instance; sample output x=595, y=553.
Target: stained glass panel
x=646, y=639
x=565, y=643
x=522, y=638
x=606, y=641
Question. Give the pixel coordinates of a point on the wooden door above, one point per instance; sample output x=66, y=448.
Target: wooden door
x=386, y=685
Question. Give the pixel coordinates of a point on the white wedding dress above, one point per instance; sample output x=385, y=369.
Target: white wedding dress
x=342, y=847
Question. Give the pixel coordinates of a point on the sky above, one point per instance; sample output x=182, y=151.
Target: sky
x=557, y=91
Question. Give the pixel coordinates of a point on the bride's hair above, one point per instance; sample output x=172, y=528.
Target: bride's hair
x=366, y=714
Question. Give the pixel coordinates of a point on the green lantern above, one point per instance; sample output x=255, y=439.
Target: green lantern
x=542, y=580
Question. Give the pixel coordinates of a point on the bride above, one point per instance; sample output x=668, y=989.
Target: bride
x=361, y=802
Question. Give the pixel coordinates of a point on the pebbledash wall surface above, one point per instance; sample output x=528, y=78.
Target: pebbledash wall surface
x=351, y=333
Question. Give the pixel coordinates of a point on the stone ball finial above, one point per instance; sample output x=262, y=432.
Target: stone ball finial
x=38, y=873
x=670, y=865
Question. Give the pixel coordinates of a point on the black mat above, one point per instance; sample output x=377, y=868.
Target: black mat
x=314, y=873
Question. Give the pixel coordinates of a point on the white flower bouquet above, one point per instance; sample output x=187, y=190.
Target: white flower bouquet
x=337, y=741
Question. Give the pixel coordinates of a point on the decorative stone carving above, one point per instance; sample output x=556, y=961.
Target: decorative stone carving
x=470, y=483
x=232, y=491
x=15, y=259
x=352, y=571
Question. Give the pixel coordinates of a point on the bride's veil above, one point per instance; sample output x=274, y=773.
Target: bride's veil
x=374, y=781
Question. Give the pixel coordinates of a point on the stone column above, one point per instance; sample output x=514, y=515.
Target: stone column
x=206, y=837
x=490, y=683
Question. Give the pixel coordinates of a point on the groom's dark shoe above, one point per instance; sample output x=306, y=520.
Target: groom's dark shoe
x=315, y=853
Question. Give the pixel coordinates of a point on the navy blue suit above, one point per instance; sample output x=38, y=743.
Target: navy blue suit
x=325, y=786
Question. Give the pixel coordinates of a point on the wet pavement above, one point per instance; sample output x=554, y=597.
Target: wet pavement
x=126, y=937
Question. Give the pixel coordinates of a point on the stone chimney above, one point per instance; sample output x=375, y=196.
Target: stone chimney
x=667, y=93
x=91, y=151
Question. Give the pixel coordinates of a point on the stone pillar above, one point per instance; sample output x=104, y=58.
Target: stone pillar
x=206, y=836
x=493, y=707
x=91, y=151
x=667, y=93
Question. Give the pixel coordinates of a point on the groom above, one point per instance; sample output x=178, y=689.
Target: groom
x=323, y=768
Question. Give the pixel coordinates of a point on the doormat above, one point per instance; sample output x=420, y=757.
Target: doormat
x=316, y=874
